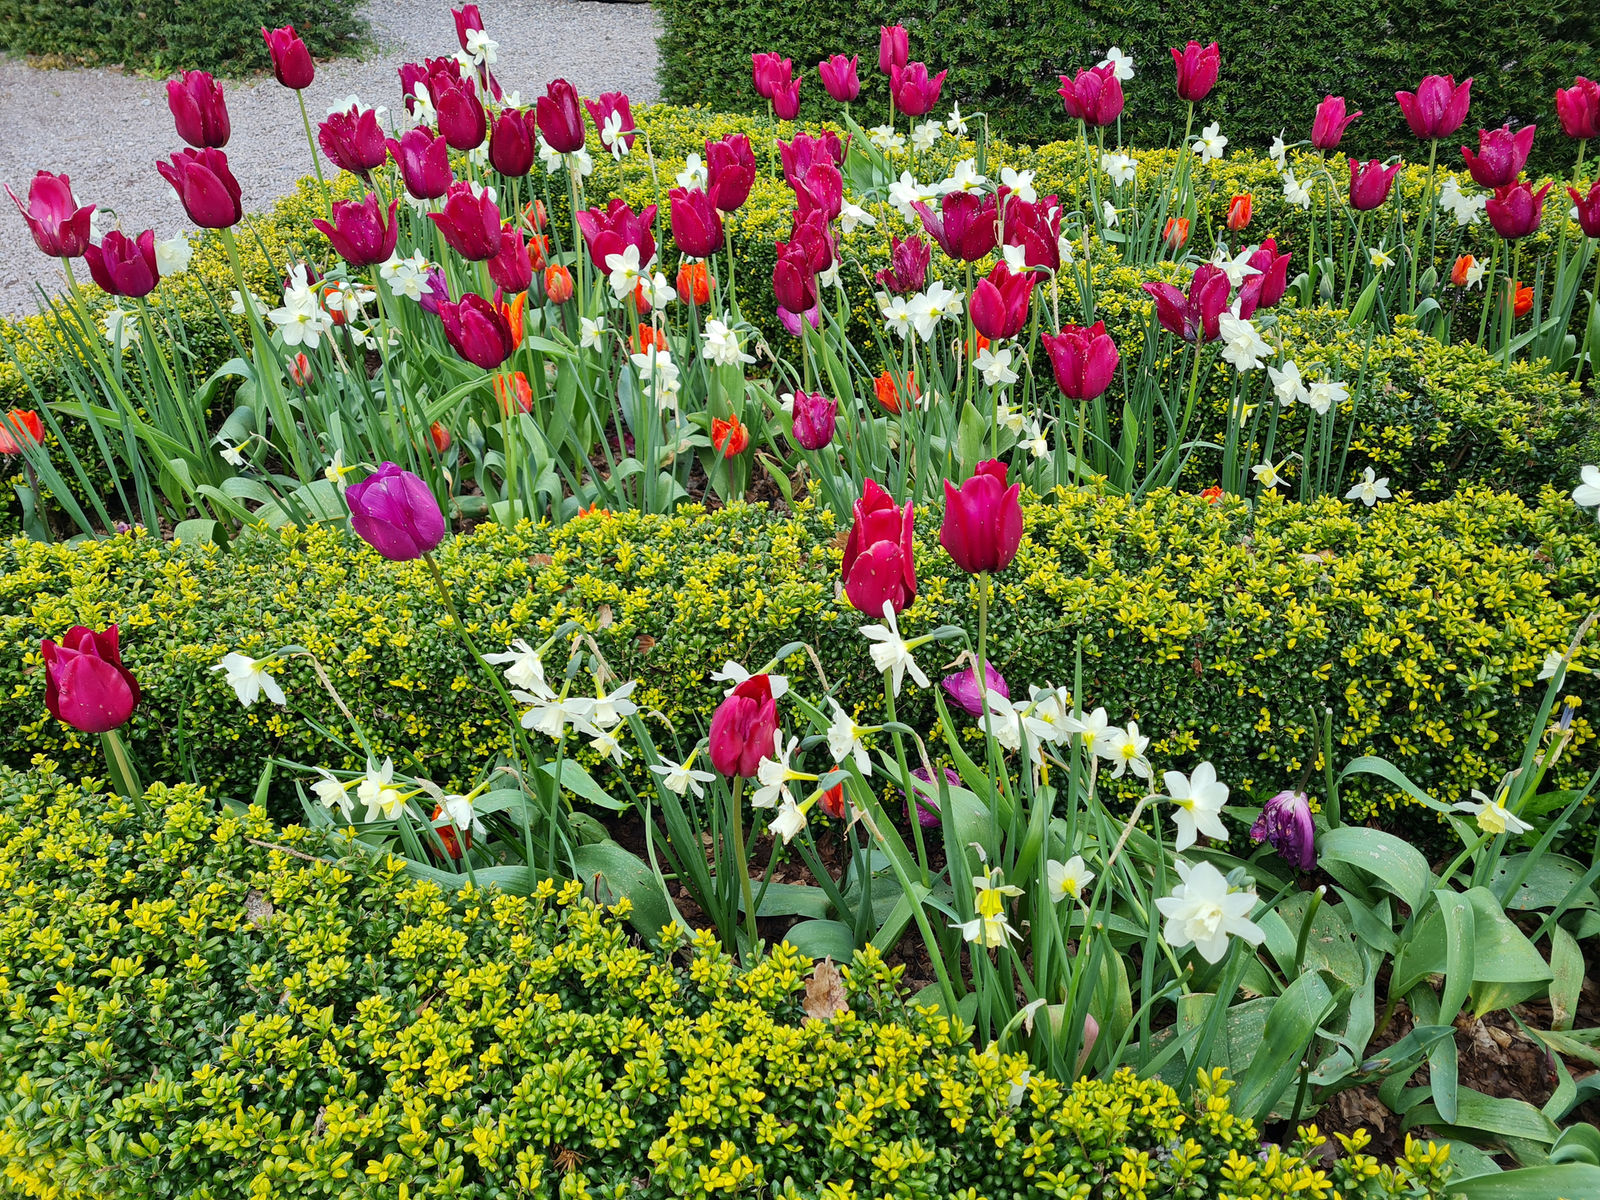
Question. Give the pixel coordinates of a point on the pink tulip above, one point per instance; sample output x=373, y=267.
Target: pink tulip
x=743, y=727
x=786, y=99
x=353, y=141
x=1501, y=155
x=769, y=72
x=1437, y=108
x=838, y=75
x=878, y=566
x=894, y=47
x=394, y=512
x=291, y=61
x=424, y=161
x=814, y=416
x=513, y=140
x=358, y=233
x=794, y=282
x=908, y=266
x=198, y=110
x=59, y=227
x=1516, y=210
x=982, y=520
x=730, y=172
x=1266, y=288
x=1084, y=359
x=1000, y=302
x=611, y=231
x=914, y=93
x=124, y=266
x=477, y=330
x=1198, y=315
x=1579, y=109
x=1197, y=70
x=1328, y=126
x=805, y=151
x=1036, y=227
x=209, y=192
x=462, y=120
x=1370, y=183
x=560, y=117
x=512, y=268
x=1093, y=96
x=696, y=227
x=85, y=684
x=469, y=222
x=965, y=227
x=1588, y=209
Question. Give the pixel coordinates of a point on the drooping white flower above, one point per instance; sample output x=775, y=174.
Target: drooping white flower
x=1380, y=259
x=1005, y=416
x=122, y=327
x=1242, y=344
x=609, y=709
x=524, y=667
x=1296, y=192
x=1034, y=440
x=377, y=791
x=956, y=124
x=249, y=679
x=790, y=820
x=1287, y=383
x=1064, y=879
x=1475, y=273
x=1370, y=489
x=775, y=774
x=1210, y=145
x=990, y=927
x=1587, y=493
x=1203, y=911
x=965, y=178
x=722, y=346
x=1269, y=475
x=1325, y=394
x=657, y=290
x=1198, y=801
x=1108, y=215
x=844, y=739
x=890, y=652
x=682, y=777
x=1493, y=816
x=333, y=794
x=1020, y=183
x=173, y=255
x=852, y=215
x=694, y=174
x=994, y=365
x=611, y=136
x=1278, y=152
x=1121, y=167
x=1121, y=64
x=1552, y=663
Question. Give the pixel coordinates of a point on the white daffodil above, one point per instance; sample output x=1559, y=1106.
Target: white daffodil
x=1067, y=879
x=231, y=454
x=1237, y=268
x=1020, y=183
x=301, y=318
x=722, y=346
x=1325, y=394
x=1296, y=192
x=1203, y=911
x=1034, y=440
x=994, y=365
x=733, y=675
x=333, y=794
x=1198, y=799
x=956, y=123
x=249, y=679
x=928, y=308
x=1016, y=258
x=1287, y=383
x=460, y=812
x=844, y=739
x=550, y=714
x=886, y=139
x=775, y=774
x=173, y=255
x=1121, y=167
x=1125, y=748
x=1475, y=273
x=1380, y=259
x=906, y=191
x=990, y=928
x=609, y=709
x=681, y=778
x=1108, y=214
x=1064, y=249
x=694, y=174
x=890, y=652
x=897, y=315
x=1467, y=210
x=790, y=820
x=1005, y=722
x=852, y=215
x=1370, y=490
x=924, y=136
x=657, y=290
x=122, y=327
x=1493, y=816
x=965, y=178
x=1046, y=714
x=1242, y=344
x=657, y=372
x=1552, y=663
x=611, y=136
x=377, y=791
x=524, y=667
x=406, y=277
x=591, y=332
x=1094, y=728
x=481, y=48
x=1121, y=64
x=347, y=299
x=1269, y=475
x=1210, y=145
x=606, y=744
x=1587, y=493
x=1005, y=416
x=1278, y=152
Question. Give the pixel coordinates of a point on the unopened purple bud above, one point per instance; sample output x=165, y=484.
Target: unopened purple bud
x=1286, y=823
x=928, y=806
x=962, y=687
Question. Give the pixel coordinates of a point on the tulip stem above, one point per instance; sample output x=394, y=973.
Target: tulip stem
x=316, y=160
x=736, y=824
x=910, y=788
x=1416, y=256
x=124, y=777
x=972, y=340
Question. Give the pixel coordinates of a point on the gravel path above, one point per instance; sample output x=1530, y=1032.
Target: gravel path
x=106, y=129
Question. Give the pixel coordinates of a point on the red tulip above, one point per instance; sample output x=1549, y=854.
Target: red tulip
x=512, y=269
x=123, y=266
x=794, y=282
x=462, y=119
x=814, y=417
x=85, y=684
x=1085, y=359
x=1197, y=70
x=1000, y=302
x=786, y=99
x=1176, y=233
x=394, y=512
x=769, y=72
x=908, y=265
x=894, y=47
x=1588, y=209
x=743, y=728
x=730, y=172
x=810, y=231
x=1438, y=106
x=610, y=232
x=198, y=110
x=560, y=117
x=1197, y=315
x=914, y=93
x=1265, y=289
x=353, y=140
x=469, y=221
x=1501, y=155
x=609, y=104
x=696, y=227
x=59, y=227
x=18, y=426
x=982, y=520
x=424, y=161
x=1093, y=96
x=207, y=188
x=1579, y=109
x=965, y=227
x=291, y=61
x=358, y=233
x=838, y=75
x=1516, y=209
x=478, y=331
x=878, y=565
x=300, y=373
x=1328, y=126
x=1370, y=183
x=513, y=142
x=1238, y=212
x=1036, y=227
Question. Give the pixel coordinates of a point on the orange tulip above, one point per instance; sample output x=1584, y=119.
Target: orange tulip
x=694, y=283
x=300, y=370
x=441, y=437
x=513, y=314
x=538, y=249
x=505, y=385
x=832, y=801
x=594, y=510
x=649, y=338
x=558, y=284
x=1522, y=298
x=1212, y=494
x=1458, y=273
x=17, y=426
x=447, y=835
x=1239, y=212
x=641, y=302
x=1176, y=235
x=730, y=436
x=533, y=214
x=889, y=395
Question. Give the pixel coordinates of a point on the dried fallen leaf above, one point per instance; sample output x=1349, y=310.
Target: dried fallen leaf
x=825, y=993
x=540, y=560
x=257, y=908
x=646, y=643
x=603, y=616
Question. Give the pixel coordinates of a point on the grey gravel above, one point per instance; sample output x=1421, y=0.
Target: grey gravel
x=106, y=128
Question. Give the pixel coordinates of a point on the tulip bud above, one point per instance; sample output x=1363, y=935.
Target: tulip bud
x=1176, y=233
x=730, y=172
x=198, y=110
x=838, y=75
x=59, y=227
x=1197, y=70
x=469, y=222
x=889, y=391
x=17, y=427
x=1501, y=155
x=123, y=266
x=1579, y=109
x=86, y=685
x=908, y=269
x=982, y=520
x=1437, y=108
x=477, y=330
x=1000, y=300
x=1328, y=126
x=914, y=93
x=611, y=231
x=1286, y=823
x=359, y=234
x=560, y=117
x=613, y=104
x=743, y=727
x=696, y=227
x=512, y=141
x=962, y=687
x=511, y=268
x=1093, y=96
x=424, y=161
x=300, y=370
x=1370, y=183
x=1458, y=273
x=1239, y=212
x=440, y=436
x=394, y=512
x=509, y=388
x=558, y=284
x=814, y=416
x=206, y=187
x=1084, y=360
x=1198, y=315
x=1516, y=210
x=786, y=99
x=1588, y=209
x=966, y=227
x=878, y=566
x=894, y=47
x=353, y=141
x=291, y=61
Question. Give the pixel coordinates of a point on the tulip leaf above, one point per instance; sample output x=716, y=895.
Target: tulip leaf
x=1566, y=964
x=970, y=439
x=610, y=872
x=1393, y=863
x=580, y=783
x=823, y=939
x=1286, y=1037
x=1546, y=883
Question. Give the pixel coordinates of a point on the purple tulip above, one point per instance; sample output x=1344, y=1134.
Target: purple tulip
x=962, y=687
x=769, y=72
x=1286, y=823
x=1328, y=126
x=814, y=416
x=794, y=282
x=198, y=110
x=207, y=188
x=696, y=227
x=477, y=330
x=1084, y=359
x=908, y=266
x=730, y=172
x=1501, y=155
x=1265, y=288
x=838, y=75
x=469, y=222
x=928, y=806
x=394, y=512
x=59, y=227
x=436, y=293
x=1000, y=302
x=1578, y=108
x=291, y=61
x=786, y=99
x=1036, y=227
x=914, y=93
x=613, y=104
x=1198, y=315
x=742, y=728
x=878, y=565
x=614, y=229
x=358, y=233
x=560, y=117
x=124, y=266
x=353, y=141
x=424, y=161
x=1437, y=108
x=894, y=47
x=982, y=528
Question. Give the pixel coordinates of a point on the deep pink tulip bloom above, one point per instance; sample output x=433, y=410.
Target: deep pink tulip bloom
x=1093, y=96
x=1516, y=210
x=914, y=92
x=1036, y=227
x=982, y=520
x=198, y=110
x=463, y=122
x=1265, y=289
x=358, y=233
x=1000, y=302
x=424, y=161
x=470, y=20
x=600, y=112
x=1328, y=126
x=478, y=331
x=839, y=76
x=1370, y=183
x=513, y=142
x=878, y=566
x=512, y=268
x=59, y=227
x=743, y=727
x=806, y=151
x=894, y=47
x=696, y=226
x=1501, y=155
x=394, y=512
x=207, y=188
x=85, y=684
x=965, y=226
x=1438, y=106
x=610, y=231
x=769, y=72
x=908, y=266
x=820, y=189
x=794, y=282
x=1084, y=359
x=291, y=61
x=1588, y=209
x=469, y=222
x=1579, y=109
x=1197, y=315
x=786, y=99
x=1285, y=822
x=962, y=687
x=1197, y=70
x=560, y=117
x=353, y=141
x=428, y=72
x=730, y=172
x=810, y=231
x=124, y=266
x=814, y=416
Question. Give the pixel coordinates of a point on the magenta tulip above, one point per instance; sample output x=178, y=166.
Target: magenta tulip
x=560, y=117
x=358, y=233
x=769, y=72
x=1501, y=155
x=982, y=520
x=431, y=73
x=613, y=104
x=469, y=221
x=1197, y=70
x=1579, y=109
x=814, y=416
x=353, y=141
x=1267, y=286
x=811, y=232
x=59, y=227
x=1516, y=210
x=743, y=727
x=696, y=226
x=791, y=320
x=1196, y=316
x=513, y=142
x=908, y=266
x=478, y=330
x=1588, y=207
x=424, y=161
x=1084, y=359
x=794, y=282
x=1036, y=227
x=512, y=268
x=914, y=93
x=1438, y=106
x=611, y=231
x=805, y=151
x=198, y=110
x=786, y=99
x=894, y=47
x=470, y=20
x=209, y=192
x=124, y=266
x=878, y=566
x=730, y=172
x=1000, y=302
x=820, y=189
x=962, y=687
x=839, y=76
x=1093, y=96
x=291, y=61
x=85, y=684
x=1328, y=126
x=1285, y=822
x=965, y=227
x=1370, y=183
x=394, y=512
x=463, y=123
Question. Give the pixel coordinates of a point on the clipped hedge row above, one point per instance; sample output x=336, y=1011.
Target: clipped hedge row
x=176, y=35
x=235, y=1021
x=1004, y=59
x=1224, y=634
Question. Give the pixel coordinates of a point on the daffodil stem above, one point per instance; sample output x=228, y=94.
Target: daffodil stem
x=736, y=823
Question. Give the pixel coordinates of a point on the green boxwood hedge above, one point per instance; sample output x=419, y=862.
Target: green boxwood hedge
x=1224, y=633
x=199, y=1009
